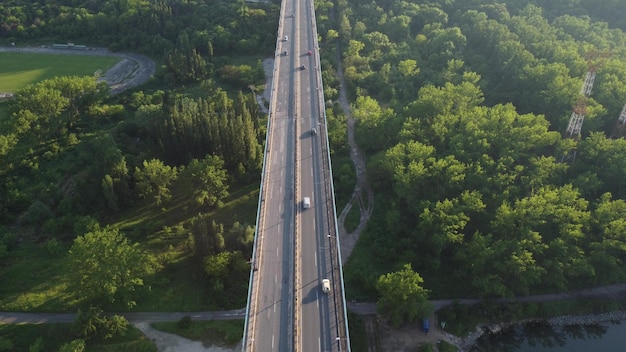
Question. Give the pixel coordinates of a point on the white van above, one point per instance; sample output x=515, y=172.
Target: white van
x=325, y=285
x=306, y=202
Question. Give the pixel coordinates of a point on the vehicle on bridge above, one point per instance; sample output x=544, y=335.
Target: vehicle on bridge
x=303, y=67
x=306, y=202
x=309, y=53
x=325, y=285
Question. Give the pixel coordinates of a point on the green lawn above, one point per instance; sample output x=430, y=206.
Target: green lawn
x=21, y=69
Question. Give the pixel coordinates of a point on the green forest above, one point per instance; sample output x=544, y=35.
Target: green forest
x=145, y=200
x=461, y=110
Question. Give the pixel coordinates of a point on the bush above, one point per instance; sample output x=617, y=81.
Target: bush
x=5, y=344
x=184, y=322
x=427, y=347
x=92, y=323
x=444, y=346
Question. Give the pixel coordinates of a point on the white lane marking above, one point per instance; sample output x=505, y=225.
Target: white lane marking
x=319, y=343
x=275, y=278
x=280, y=207
x=311, y=172
x=277, y=251
x=317, y=301
x=315, y=257
x=272, y=341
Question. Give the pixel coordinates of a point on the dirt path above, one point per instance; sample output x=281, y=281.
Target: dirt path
x=133, y=69
x=362, y=194
x=166, y=342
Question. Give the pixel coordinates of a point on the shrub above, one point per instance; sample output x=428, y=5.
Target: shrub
x=184, y=322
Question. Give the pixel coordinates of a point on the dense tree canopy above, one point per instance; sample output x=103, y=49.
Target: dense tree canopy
x=211, y=27
x=462, y=109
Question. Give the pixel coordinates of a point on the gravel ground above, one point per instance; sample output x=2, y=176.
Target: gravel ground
x=166, y=342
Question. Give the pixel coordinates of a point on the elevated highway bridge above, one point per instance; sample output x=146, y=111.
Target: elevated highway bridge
x=296, y=245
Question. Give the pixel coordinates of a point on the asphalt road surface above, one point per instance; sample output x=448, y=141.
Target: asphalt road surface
x=41, y=318
x=271, y=320
x=316, y=308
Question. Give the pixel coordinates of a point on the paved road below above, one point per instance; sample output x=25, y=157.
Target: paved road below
x=609, y=292
x=616, y=291
x=40, y=318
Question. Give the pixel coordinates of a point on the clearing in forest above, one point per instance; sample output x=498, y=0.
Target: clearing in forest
x=21, y=69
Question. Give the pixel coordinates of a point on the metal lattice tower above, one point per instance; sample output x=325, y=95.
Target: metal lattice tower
x=620, y=126
x=622, y=116
x=578, y=114
x=595, y=59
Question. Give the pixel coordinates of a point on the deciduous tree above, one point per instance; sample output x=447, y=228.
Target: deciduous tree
x=402, y=297
x=154, y=179
x=104, y=267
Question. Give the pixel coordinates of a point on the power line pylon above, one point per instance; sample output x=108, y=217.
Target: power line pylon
x=620, y=126
x=595, y=59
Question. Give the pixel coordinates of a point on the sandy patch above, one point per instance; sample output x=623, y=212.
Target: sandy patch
x=166, y=342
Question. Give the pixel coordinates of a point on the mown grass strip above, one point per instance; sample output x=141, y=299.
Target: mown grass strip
x=21, y=69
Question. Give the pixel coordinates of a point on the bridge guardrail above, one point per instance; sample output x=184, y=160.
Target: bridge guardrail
x=248, y=333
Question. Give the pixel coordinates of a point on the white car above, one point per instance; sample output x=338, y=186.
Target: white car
x=286, y=38
x=325, y=285
x=306, y=203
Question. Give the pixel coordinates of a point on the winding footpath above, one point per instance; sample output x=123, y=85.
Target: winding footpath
x=361, y=188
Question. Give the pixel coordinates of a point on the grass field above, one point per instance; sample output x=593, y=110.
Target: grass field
x=21, y=69
x=36, y=270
